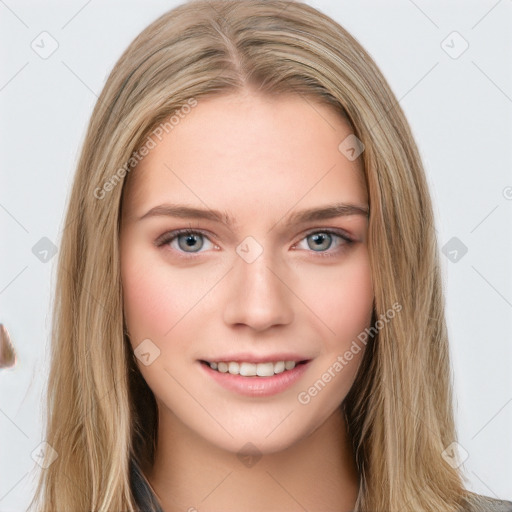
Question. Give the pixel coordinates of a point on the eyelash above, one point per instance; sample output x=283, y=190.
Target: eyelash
x=167, y=238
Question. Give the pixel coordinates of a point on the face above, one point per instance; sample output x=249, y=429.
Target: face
x=257, y=287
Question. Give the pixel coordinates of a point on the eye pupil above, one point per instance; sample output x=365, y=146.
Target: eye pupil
x=322, y=237
x=190, y=240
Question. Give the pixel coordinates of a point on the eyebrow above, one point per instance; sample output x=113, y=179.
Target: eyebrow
x=329, y=211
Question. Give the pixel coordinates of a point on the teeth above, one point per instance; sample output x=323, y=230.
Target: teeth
x=279, y=367
x=234, y=368
x=289, y=365
x=248, y=369
x=265, y=369
x=252, y=369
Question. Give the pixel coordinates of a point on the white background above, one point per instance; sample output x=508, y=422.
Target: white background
x=460, y=113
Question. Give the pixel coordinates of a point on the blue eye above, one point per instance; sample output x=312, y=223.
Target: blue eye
x=319, y=241
x=186, y=238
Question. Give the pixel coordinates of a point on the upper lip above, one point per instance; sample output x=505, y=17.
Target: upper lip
x=252, y=358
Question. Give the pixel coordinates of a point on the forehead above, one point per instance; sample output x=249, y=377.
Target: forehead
x=240, y=150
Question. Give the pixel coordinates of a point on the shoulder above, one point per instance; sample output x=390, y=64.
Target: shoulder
x=480, y=503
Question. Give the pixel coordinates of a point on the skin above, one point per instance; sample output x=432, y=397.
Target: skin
x=260, y=159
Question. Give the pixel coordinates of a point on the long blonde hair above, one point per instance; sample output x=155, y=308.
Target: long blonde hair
x=101, y=413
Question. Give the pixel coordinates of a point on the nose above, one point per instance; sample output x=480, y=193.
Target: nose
x=258, y=295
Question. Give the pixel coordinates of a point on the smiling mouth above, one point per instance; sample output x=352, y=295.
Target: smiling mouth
x=246, y=369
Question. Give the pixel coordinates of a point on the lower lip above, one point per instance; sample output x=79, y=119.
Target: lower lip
x=257, y=386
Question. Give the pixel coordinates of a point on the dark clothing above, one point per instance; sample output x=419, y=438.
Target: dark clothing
x=147, y=502
x=144, y=497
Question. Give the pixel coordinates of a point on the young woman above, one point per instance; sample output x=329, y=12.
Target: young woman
x=249, y=309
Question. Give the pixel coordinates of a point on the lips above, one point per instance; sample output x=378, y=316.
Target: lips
x=262, y=383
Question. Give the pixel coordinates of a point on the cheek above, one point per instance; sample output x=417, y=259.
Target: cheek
x=345, y=305
x=356, y=298
x=151, y=304
x=342, y=297
x=143, y=305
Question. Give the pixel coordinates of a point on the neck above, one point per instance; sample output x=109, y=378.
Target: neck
x=316, y=473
